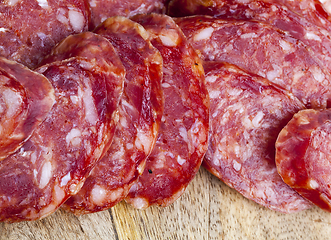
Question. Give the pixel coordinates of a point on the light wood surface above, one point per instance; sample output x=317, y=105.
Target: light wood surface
x=207, y=210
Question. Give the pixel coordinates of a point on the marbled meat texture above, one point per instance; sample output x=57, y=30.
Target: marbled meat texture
x=26, y=97
x=140, y=112
x=53, y=164
x=31, y=28
x=263, y=50
x=246, y=114
x=103, y=9
x=182, y=139
x=303, y=155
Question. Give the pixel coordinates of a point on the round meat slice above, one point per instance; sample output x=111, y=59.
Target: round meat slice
x=182, y=139
x=140, y=112
x=264, y=50
x=103, y=9
x=303, y=155
x=31, y=28
x=246, y=114
x=26, y=97
x=53, y=164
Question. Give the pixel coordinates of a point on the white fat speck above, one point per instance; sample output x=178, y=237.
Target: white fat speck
x=129, y=146
x=165, y=85
x=73, y=137
x=163, y=119
x=33, y=157
x=65, y=179
x=35, y=173
x=168, y=41
x=3, y=29
x=74, y=188
x=13, y=101
x=271, y=75
x=61, y=16
x=313, y=184
x=214, y=94
x=237, y=150
x=297, y=75
x=183, y=133
x=126, y=104
x=211, y=79
x=235, y=92
x=43, y=3
x=123, y=122
x=286, y=46
x=257, y=119
x=303, y=120
x=90, y=110
x=180, y=160
x=139, y=203
x=143, y=141
x=312, y=36
x=74, y=99
x=170, y=154
x=93, y=3
x=236, y=165
x=98, y=195
x=11, y=2
x=203, y=34
x=46, y=174
x=247, y=123
x=248, y=35
x=318, y=74
x=77, y=20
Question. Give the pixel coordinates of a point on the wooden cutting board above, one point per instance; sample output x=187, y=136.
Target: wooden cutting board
x=207, y=210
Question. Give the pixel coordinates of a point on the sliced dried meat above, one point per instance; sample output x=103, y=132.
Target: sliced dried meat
x=303, y=155
x=182, y=139
x=103, y=9
x=140, y=112
x=31, y=28
x=26, y=97
x=247, y=112
x=263, y=50
x=53, y=164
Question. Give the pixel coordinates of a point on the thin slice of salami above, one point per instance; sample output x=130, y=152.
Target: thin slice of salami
x=246, y=114
x=182, y=139
x=53, y=164
x=303, y=155
x=31, y=28
x=103, y=9
x=26, y=97
x=139, y=112
x=263, y=50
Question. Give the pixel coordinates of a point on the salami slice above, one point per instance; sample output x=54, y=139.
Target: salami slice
x=182, y=139
x=263, y=50
x=303, y=155
x=246, y=114
x=53, y=164
x=26, y=97
x=140, y=112
x=31, y=28
x=103, y=9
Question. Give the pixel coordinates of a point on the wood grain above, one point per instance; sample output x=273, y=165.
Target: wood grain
x=207, y=210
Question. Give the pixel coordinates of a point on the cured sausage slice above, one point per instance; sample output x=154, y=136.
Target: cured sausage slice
x=303, y=155
x=53, y=164
x=103, y=9
x=246, y=114
x=26, y=97
x=31, y=28
x=140, y=112
x=263, y=50
x=182, y=138
x=313, y=31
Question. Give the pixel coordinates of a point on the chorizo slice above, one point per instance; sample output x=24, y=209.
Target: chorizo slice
x=247, y=112
x=54, y=163
x=303, y=155
x=264, y=50
x=26, y=97
x=103, y=9
x=31, y=28
x=139, y=112
x=182, y=138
